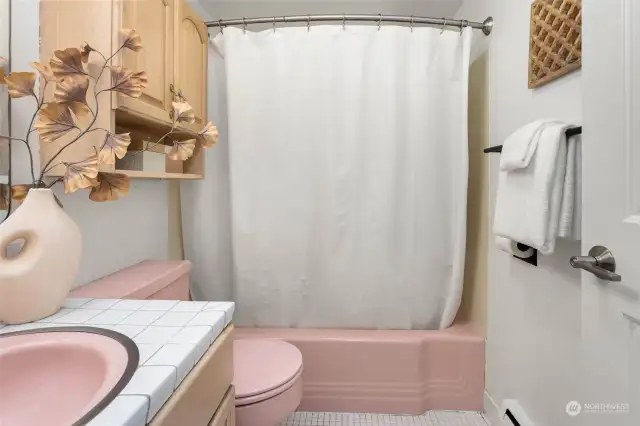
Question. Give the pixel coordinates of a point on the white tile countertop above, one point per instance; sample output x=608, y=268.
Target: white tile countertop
x=171, y=336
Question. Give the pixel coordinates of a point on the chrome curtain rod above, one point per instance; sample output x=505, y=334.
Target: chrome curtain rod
x=486, y=26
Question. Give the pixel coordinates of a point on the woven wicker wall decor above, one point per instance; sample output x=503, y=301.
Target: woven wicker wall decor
x=555, y=47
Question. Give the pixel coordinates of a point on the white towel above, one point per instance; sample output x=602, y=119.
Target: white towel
x=529, y=201
x=569, y=193
x=576, y=234
x=520, y=146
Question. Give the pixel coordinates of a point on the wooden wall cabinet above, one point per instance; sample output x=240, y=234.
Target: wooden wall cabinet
x=174, y=56
x=190, y=69
x=154, y=21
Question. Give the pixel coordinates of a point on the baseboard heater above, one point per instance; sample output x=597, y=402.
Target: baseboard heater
x=512, y=414
x=509, y=415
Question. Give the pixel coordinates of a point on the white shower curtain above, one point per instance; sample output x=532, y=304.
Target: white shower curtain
x=348, y=177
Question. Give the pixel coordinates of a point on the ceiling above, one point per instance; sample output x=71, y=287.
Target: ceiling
x=227, y=9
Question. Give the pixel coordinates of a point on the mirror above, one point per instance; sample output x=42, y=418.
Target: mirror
x=5, y=34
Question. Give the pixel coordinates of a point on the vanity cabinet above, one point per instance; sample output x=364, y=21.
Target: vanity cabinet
x=174, y=56
x=206, y=396
x=226, y=414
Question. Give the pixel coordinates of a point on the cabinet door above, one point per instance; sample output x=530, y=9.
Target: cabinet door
x=154, y=21
x=191, y=61
x=66, y=24
x=226, y=413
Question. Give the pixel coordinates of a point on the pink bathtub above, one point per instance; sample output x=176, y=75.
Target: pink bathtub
x=393, y=372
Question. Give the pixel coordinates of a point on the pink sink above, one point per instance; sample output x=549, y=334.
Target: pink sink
x=62, y=376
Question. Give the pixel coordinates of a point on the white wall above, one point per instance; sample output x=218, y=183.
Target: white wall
x=116, y=234
x=533, y=336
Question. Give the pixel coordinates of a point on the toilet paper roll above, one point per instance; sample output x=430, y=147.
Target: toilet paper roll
x=511, y=247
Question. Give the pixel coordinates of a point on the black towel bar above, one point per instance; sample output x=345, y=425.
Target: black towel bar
x=570, y=133
x=533, y=260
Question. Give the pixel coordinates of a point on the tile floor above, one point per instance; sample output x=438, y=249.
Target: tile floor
x=431, y=418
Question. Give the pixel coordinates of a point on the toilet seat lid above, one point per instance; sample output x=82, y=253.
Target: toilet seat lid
x=262, y=365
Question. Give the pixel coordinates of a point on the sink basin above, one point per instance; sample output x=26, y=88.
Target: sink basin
x=62, y=376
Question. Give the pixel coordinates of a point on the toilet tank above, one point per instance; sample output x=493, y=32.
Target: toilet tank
x=151, y=279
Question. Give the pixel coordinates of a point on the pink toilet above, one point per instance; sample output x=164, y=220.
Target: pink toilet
x=268, y=381
x=267, y=373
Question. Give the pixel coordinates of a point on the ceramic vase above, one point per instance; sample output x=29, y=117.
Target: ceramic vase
x=35, y=281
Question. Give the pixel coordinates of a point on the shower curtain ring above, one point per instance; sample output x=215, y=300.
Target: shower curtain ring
x=308, y=23
x=411, y=23
x=220, y=25
x=379, y=21
x=344, y=22
x=274, y=24
x=244, y=26
x=463, y=24
x=443, y=26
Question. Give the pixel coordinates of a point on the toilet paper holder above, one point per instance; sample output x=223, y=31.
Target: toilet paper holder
x=531, y=260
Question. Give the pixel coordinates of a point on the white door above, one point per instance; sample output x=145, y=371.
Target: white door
x=611, y=212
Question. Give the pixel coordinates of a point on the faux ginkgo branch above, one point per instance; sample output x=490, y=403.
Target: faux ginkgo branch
x=59, y=117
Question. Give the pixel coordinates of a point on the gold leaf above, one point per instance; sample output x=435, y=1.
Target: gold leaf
x=110, y=187
x=81, y=174
x=67, y=62
x=114, y=146
x=141, y=78
x=183, y=113
x=19, y=192
x=127, y=82
x=132, y=40
x=72, y=91
x=208, y=136
x=85, y=51
x=20, y=84
x=4, y=196
x=44, y=70
x=55, y=120
x=182, y=150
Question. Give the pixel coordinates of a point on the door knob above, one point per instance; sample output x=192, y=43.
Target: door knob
x=600, y=263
